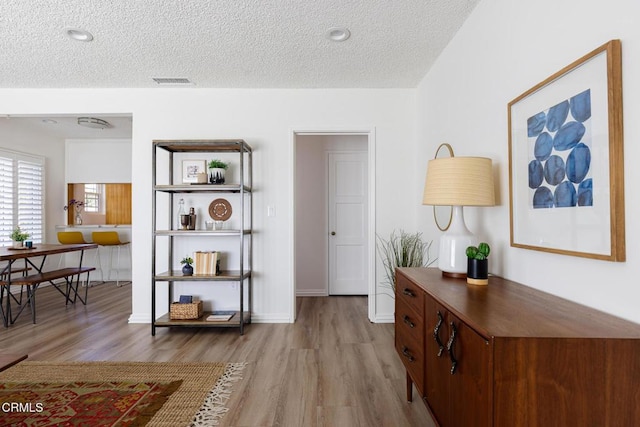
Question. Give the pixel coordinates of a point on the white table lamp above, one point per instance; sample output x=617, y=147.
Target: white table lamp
x=458, y=182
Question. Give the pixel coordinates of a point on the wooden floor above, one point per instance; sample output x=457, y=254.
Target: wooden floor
x=331, y=368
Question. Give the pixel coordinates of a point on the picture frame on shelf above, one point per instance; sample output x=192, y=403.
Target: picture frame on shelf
x=566, y=165
x=191, y=169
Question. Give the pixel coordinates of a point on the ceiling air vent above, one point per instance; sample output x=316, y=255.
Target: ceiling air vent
x=173, y=81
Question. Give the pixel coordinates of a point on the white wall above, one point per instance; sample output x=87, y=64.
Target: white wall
x=98, y=160
x=13, y=136
x=266, y=120
x=503, y=49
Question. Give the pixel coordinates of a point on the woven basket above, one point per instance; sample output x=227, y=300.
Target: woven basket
x=189, y=311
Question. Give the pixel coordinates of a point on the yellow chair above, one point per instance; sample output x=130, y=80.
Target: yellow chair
x=111, y=240
x=70, y=238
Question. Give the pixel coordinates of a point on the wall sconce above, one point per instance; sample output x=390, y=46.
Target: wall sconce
x=458, y=182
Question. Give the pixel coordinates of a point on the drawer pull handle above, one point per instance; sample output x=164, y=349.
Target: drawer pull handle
x=436, y=334
x=452, y=340
x=405, y=353
x=407, y=292
x=408, y=321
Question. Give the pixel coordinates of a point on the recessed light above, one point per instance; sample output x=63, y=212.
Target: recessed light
x=79, y=34
x=49, y=121
x=338, y=34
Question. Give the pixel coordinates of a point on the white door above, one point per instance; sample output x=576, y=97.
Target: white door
x=348, y=223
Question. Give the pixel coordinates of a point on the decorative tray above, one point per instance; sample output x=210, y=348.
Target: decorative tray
x=220, y=209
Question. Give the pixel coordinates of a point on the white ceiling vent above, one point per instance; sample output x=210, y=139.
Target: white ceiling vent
x=171, y=81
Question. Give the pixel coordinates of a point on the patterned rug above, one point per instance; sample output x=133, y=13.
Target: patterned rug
x=115, y=393
x=83, y=403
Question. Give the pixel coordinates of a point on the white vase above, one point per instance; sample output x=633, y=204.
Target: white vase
x=78, y=217
x=216, y=175
x=18, y=245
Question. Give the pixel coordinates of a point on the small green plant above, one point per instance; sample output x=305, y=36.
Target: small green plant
x=18, y=235
x=218, y=164
x=480, y=252
x=187, y=260
x=402, y=250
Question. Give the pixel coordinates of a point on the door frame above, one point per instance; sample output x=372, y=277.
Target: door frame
x=370, y=133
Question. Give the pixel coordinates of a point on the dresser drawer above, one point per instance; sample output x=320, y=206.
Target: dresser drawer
x=410, y=294
x=410, y=325
x=412, y=355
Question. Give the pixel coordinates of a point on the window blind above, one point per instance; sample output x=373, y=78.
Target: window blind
x=21, y=195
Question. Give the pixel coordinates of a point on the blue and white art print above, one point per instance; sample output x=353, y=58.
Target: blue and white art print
x=565, y=160
x=560, y=154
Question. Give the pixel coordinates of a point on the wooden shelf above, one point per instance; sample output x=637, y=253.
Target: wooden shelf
x=202, y=188
x=234, y=322
x=224, y=276
x=204, y=145
x=207, y=233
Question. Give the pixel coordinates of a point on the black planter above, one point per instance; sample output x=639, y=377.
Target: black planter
x=187, y=270
x=477, y=271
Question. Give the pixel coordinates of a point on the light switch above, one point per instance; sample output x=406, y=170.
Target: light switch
x=271, y=210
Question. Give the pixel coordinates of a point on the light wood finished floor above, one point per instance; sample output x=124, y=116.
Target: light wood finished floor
x=331, y=368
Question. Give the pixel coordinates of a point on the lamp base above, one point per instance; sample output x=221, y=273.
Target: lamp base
x=454, y=275
x=452, y=258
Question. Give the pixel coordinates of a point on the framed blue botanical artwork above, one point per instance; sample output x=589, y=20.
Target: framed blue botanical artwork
x=566, y=165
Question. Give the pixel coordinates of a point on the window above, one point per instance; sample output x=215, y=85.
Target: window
x=21, y=195
x=92, y=197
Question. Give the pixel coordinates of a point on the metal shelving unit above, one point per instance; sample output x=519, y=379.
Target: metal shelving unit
x=242, y=190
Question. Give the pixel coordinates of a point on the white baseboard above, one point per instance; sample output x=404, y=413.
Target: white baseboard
x=271, y=318
x=384, y=318
x=140, y=318
x=312, y=293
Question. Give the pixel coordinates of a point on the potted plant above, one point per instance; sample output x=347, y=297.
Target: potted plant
x=18, y=237
x=478, y=264
x=402, y=250
x=187, y=269
x=217, y=169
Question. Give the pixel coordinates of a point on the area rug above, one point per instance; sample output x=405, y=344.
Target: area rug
x=116, y=393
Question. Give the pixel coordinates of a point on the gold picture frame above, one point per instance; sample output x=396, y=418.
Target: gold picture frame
x=566, y=164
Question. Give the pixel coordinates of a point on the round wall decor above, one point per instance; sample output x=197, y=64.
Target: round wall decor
x=220, y=210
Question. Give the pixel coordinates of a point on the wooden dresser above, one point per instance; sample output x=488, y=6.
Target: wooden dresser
x=509, y=355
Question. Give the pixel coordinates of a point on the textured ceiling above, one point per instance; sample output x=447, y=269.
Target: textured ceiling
x=224, y=43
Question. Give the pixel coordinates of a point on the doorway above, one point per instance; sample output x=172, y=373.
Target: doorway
x=71, y=151
x=333, y=228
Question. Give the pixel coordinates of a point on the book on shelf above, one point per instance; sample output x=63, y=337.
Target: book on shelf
x=220, y=316
x=206, y=263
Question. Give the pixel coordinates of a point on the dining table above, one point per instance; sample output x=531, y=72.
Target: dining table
x=27, y=267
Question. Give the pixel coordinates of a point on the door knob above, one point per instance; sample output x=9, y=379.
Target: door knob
x=333, y=233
